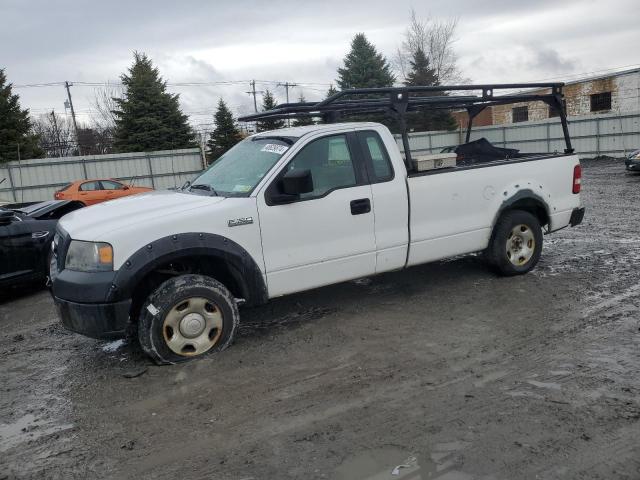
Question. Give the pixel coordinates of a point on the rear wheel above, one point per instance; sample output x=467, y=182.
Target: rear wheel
x=516, y=243
x=186, y=317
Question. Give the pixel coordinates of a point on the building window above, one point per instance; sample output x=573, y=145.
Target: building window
x=520, y=114
x=601, y=101
x=554, y=113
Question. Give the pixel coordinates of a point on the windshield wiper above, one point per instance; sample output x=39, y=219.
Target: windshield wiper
x=204, y=186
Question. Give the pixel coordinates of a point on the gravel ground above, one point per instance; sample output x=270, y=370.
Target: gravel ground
x=446, y=369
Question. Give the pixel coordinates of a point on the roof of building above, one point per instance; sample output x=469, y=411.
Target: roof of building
x=603, y=75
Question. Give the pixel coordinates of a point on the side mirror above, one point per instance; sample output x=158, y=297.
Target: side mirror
x=125, y=187
x=296, y=182
x=6, y=217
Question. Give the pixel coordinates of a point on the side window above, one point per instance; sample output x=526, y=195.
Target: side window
x=89, y=187
x=330, y=163
x=372, y=145
x=109, y=185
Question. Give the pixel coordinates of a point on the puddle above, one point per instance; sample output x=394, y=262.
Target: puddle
x=25, y=429
x=490, y=377
x=517, y=393
x=395, y=464
x=551, y=385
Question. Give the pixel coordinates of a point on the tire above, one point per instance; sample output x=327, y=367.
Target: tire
x=516, y=243
x=186, y=317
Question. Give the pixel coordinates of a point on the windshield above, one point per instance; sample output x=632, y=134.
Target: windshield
x=239, y=170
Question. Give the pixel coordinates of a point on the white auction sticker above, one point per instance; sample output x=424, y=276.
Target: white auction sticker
x=275, y=148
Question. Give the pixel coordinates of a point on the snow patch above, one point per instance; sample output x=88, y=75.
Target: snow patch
x=113, y=346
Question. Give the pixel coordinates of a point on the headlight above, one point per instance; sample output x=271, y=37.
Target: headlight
x=89, y=256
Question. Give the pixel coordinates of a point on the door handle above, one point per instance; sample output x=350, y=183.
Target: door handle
x=360, y=206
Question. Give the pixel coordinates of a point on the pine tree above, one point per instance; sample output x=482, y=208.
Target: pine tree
x=225, y=135
x=364, y=67
x=422, y=74
x=332, y=91
x=306, y=120
x=147, y=117
x=15, y=127
x=269, y=102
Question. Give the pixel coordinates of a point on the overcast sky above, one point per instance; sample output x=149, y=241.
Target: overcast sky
x=44, y=41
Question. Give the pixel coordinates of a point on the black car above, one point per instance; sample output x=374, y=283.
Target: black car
x=633, y=161
x=26, y=232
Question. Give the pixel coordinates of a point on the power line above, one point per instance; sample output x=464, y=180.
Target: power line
x=73, y=112
x=253, y=92
x=286, y=86
x=169, y=84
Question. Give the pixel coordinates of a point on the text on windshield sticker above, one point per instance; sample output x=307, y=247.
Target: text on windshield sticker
x=275, y=148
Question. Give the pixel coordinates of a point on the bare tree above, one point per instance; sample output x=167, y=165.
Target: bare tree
x=436, y=38
x=56, y=134
x=104, y=103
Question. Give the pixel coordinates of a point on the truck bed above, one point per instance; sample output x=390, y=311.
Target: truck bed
x=454, y=214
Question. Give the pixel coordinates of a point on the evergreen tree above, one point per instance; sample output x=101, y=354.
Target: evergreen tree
x=15, y=127
x=269, y=102
x=332, y=91
x=364, y=67
x=422, y=74
x=225, y=135
x=306, y=120
x=147, y=117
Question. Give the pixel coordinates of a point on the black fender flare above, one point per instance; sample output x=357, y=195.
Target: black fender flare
x=243, y=267
x=525, y=194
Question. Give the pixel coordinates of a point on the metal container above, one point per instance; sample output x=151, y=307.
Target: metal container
x=433, y=161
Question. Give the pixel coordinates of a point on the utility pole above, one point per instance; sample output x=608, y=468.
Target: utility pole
x=286, y=86
x=253, y=92
x=73, y=115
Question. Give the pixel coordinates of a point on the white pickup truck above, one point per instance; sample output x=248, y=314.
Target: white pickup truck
x=291, y=210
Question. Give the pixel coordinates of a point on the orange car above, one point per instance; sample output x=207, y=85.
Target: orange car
x=91, y=192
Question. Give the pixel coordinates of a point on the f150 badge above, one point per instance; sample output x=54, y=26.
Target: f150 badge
x=240, y=221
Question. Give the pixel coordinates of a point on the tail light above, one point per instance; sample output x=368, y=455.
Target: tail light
x=57, y=195
x=577, y=179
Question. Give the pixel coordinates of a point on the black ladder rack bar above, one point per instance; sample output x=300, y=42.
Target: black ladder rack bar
x=397, y=101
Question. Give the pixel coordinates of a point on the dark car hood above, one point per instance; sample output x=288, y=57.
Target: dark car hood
x=47, y=210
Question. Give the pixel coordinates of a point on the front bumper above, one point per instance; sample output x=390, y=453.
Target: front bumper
x=576, y=216
x=96, y=320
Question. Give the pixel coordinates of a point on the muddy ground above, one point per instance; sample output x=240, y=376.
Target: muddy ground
x=446, y=369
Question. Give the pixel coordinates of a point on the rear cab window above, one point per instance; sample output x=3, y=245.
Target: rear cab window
x=378, y=163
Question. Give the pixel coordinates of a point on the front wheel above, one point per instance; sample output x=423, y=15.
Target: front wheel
x=186, y=317
x=516, y=243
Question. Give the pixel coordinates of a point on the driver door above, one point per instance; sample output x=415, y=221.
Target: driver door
x=324, y=236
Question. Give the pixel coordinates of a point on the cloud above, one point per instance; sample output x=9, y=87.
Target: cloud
x=287, y=40
x=547, y=59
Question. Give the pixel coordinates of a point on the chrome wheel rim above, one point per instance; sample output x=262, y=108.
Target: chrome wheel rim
x=192, y=326
x=521, y=243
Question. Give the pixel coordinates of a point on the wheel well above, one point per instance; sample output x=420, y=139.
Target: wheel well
x=210, y=266
x=534, y=206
